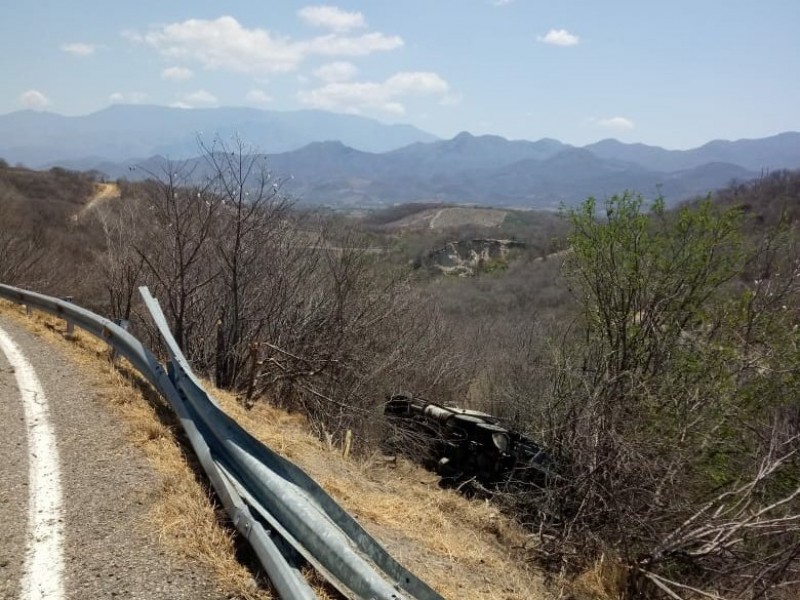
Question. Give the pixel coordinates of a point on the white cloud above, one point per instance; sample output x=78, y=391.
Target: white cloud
x=559, y=37
x=79, y=49
x=198, y=98
x=355, y=96
x=417, y=83
x=451, y=99
x=132, y=36
x=336, y=45
x=257, y=97
x=128, y=97
x=332, y=18
x=176, y=74
x=618, y=123
x=336, y=71
x=34, y=99
x=224, y=44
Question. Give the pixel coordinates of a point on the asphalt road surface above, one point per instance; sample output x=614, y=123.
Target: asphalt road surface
x=74, y=493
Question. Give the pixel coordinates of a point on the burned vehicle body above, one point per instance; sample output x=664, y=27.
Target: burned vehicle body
x=465, y=445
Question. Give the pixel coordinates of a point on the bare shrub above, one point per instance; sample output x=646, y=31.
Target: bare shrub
x=357, y=336
x=249, y=227
x=275, y=303
x=120, y=264
x=174, y=247
x=22, y=248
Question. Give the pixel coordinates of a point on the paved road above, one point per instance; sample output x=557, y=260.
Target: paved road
x=90, y=509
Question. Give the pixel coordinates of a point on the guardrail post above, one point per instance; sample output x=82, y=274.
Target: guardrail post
x=348, y=442
x=70, y=324
x=124, y=324
x=28, y=310
x=251, y=383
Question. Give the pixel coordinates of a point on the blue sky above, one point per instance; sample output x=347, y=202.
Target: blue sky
x=674, y=73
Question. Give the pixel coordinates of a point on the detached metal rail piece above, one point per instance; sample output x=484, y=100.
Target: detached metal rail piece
x=257, y=487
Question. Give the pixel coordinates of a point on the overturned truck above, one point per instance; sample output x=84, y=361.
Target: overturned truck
x=466, y=447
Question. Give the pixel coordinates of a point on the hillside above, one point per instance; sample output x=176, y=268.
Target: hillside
x=45, y=195
x=466, y=170
x=438, y=218
x=335, y=318
x=346, y=161
x=472, y=540
x=781, y=151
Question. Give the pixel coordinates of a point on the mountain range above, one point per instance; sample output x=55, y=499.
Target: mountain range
x=371, y=164
x=122, y=132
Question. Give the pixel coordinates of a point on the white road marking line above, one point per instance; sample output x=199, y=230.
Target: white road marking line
x=44, y=562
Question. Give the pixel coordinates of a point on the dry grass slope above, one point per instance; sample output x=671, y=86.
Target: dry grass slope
x=466, y=549
x=450, y=217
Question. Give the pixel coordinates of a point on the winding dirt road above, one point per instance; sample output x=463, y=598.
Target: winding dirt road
x=103, y=192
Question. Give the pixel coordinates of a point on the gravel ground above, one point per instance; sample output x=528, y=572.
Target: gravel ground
x=110, y=548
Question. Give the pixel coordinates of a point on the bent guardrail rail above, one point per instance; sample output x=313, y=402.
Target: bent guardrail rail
x=258, y=488
x=289, y=500
x=285, y=575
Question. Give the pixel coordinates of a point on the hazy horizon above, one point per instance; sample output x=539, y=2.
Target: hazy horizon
x=675, y=75
x=607, y=137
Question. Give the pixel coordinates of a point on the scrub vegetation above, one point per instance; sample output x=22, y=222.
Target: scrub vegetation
x=651, y=350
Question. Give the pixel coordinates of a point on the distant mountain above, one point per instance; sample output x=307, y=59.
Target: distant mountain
x=474, y=170
x=364, y=166
x=781, y=151
x=575, y=174
x=466, y=151
x=335, y=175
x=121, y=132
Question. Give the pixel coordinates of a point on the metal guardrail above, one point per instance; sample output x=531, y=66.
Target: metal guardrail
x=290, y=501
x=258, y=488
x=285, y=575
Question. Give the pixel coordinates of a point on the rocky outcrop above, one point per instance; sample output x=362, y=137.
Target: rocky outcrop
x=466, y=258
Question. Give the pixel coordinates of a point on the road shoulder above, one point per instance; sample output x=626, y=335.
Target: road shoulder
x=111, y=492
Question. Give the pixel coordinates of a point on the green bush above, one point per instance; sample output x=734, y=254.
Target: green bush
x=674, y=415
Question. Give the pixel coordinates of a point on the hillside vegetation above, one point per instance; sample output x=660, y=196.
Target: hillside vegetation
x=348, y=161
x=652, y=352
x=461, y=548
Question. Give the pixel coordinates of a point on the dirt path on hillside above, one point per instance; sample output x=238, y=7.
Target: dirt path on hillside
x=103, y=192
x=432, y=224
x=457, y=216
x=110, y=548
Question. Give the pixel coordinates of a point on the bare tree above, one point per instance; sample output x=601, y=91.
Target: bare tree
x=175, y=248
x=22, y=247
x=249, y=226
x=121, y=265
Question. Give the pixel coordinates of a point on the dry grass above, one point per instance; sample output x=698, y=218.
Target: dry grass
x=182, y=513
x=466, y=550
x=450, y=217
x=604, y=581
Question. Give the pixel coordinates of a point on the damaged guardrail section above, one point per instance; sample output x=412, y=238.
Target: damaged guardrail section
x=283, y=513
